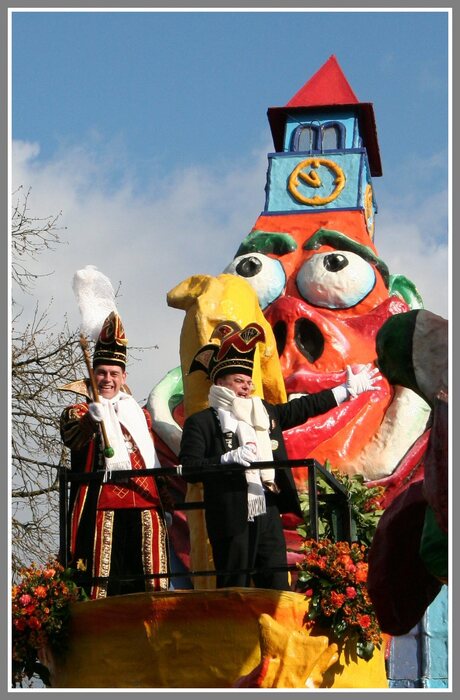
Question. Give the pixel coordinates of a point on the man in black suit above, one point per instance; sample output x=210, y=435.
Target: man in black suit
x=242, y=509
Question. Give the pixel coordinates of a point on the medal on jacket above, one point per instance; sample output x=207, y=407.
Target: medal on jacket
x=228, y=437
x=274, y=445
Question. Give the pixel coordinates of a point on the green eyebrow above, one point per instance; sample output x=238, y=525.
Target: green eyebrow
x=266, y=242
x=339, y=241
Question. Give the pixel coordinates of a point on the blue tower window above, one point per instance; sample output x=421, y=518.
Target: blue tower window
x=329, y=136
x=306, y=138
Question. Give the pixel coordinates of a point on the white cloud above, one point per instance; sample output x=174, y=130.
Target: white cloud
x=407, y=252
x=188, y=222
x=412, y=237
x=181, y=223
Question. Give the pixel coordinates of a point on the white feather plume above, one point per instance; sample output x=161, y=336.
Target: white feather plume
x=95, y=297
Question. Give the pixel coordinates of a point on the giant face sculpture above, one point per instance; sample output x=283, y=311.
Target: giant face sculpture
x=321, y=285
x=326, y=293
x=323, y=289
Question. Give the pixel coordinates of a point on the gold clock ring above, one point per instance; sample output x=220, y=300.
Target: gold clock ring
x=312, y=179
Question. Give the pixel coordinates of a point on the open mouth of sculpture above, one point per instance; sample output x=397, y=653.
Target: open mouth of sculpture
x=314, y=350
x=314, y=347
x=324, y=426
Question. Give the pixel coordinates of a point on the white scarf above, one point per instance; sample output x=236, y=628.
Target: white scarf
x=123, y=409
x=249, y=420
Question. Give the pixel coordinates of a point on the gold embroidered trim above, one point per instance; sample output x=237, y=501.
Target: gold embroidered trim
x=106, y=552
x=147, y=517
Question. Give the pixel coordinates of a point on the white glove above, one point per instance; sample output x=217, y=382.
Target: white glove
x=242, y=455
x=96, y=412
x=362, y=381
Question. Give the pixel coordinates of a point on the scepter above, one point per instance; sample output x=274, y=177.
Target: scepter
x=108, y=450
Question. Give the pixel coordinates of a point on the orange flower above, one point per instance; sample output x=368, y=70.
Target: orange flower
x=49, y=573
x=337, y=599
x=350, y=592
x=34, y=623
x=361, y=572
x=364, y=621
x=345, y=559
x=40, y=592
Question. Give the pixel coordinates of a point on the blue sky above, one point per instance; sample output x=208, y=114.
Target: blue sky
x=148, y=130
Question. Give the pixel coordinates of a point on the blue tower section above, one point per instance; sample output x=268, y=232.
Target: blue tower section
x=324, y=166
x=326, y=150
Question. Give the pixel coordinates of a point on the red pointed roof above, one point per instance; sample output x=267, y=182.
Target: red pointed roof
x=328, y=89
x=328, y=86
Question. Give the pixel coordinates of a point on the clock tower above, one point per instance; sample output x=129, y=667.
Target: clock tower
x=326, y=150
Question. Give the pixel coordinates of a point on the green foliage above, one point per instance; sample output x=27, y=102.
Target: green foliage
x=365, y=503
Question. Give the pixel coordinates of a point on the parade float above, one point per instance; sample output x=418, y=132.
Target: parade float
x=309, y=272
x=312, y=260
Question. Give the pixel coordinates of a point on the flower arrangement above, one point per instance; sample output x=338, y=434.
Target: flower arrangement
x=334, y=576
x=40, y=612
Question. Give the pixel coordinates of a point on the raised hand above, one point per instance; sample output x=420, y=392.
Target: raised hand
x=364, y=380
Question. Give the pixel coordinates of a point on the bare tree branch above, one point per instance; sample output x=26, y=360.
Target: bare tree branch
x=30, y=237
x=43, y=359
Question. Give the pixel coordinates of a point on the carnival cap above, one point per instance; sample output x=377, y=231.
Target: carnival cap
x=235, y=354
x=111, y=345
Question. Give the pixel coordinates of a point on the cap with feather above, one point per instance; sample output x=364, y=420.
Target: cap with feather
x=100, y=320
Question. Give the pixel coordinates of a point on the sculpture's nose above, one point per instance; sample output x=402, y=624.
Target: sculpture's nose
x=307, y=337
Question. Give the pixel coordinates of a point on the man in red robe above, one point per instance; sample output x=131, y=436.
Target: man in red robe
x=117, y=528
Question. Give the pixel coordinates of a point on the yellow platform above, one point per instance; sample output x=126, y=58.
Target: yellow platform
x=234, y=637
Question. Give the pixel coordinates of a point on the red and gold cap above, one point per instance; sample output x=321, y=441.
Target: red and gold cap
x=235, y=354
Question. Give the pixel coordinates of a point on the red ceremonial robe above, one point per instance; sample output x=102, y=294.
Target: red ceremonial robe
x=116, y=529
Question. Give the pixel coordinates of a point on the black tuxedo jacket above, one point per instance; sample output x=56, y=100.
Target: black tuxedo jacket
x=225, y=493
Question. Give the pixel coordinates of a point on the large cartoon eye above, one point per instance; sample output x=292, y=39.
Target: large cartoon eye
x=265, y=275
x=335, y=280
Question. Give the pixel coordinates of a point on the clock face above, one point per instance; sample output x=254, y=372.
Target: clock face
x=316, y=173
x=369, y=210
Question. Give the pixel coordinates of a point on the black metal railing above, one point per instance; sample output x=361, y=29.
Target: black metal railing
x=339, y=504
